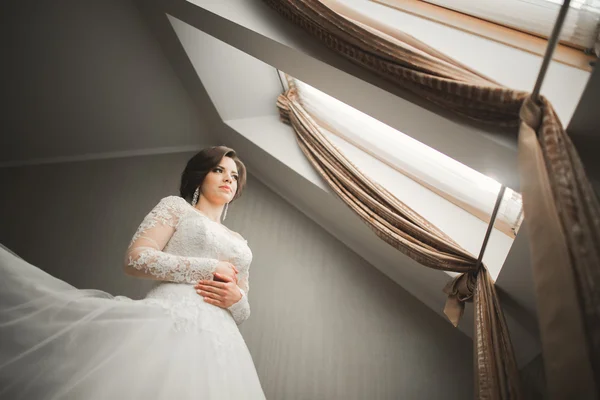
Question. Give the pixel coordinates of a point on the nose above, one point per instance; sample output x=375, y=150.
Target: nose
x=227, y=178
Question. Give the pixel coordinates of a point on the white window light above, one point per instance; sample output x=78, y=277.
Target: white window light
x=535, y=16
x=457, y=183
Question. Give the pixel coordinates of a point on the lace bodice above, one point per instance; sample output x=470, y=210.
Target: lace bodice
x=178, y=245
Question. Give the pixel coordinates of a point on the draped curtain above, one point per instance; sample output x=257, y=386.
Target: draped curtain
x=561, y=210
x=462, y=186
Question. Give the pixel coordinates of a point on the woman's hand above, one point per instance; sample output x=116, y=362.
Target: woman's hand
x=222, y=294
x=225, y=268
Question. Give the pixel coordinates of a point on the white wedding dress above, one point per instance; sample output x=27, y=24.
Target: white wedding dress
x=58, y=342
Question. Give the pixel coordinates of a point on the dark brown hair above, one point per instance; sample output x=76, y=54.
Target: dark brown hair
x=202, y=163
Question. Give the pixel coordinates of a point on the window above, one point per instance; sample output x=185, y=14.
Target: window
x=535, y=16
x=455, y=182
x=522, y=24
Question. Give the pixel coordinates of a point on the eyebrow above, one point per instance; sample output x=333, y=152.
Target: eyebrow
x=220, y=166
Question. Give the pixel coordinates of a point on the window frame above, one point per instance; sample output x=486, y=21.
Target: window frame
x=499, y=224
x=564, y=53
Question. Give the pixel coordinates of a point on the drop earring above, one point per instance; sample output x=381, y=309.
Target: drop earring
x=225, y=211
x=196, y=195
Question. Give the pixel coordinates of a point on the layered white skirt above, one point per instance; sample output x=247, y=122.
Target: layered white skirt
x=58, y=342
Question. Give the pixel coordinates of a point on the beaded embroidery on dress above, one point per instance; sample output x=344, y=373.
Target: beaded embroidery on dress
x=61, y=342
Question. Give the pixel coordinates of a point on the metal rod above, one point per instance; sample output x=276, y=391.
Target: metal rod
x=552, y=42
x=281, y=81
x=491, y=225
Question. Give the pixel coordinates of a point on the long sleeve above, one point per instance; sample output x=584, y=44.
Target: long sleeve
x=145, y=258
x=241, y=310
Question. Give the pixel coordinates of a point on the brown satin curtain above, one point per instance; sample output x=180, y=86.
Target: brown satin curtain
x=561, y=210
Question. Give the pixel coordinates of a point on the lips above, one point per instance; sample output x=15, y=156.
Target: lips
x=225, y=187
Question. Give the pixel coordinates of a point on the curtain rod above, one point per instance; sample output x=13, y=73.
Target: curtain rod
x=552, y=42
x=491, y=225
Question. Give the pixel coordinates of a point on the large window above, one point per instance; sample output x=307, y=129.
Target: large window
x=448, y=178
x=535, y=16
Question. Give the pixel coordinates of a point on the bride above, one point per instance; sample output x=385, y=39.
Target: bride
x=180, y=342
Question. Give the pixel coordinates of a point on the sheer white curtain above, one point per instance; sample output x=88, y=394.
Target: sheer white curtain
x=535, y=16
x=460, y=184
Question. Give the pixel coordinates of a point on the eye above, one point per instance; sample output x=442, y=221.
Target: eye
x=235, y=177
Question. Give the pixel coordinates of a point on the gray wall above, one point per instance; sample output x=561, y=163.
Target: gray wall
x=75, y=220
x=583, y=129
x=533, y=379
x=328, y=325
x=84, y=78
x=325, y=324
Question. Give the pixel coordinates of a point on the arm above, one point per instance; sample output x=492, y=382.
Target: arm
x=144, y=257
x=225, y=293
x=240, y=311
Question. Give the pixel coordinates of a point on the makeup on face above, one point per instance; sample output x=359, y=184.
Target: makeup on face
x=223, y=171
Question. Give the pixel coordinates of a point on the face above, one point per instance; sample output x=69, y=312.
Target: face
x=221, y=182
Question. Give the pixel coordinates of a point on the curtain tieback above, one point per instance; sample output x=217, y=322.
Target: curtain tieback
x=459, y=290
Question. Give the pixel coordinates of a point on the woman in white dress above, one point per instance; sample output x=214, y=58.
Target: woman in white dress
x=180, y=342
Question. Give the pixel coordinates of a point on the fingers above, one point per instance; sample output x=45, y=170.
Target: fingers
x=216, y=293
x=215, y=299
x=209, y=295
x=210, y=289
x=212, y=297
x=217, y=284
x=214, y=287
x=214, y=302
x=226, y=278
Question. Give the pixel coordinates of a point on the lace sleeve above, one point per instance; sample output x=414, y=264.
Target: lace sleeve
x=144, y=257
x=241, y=310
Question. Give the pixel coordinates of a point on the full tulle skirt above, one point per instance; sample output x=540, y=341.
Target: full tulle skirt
x=60, y=342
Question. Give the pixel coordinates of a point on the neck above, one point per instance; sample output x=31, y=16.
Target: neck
x=211, y=210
